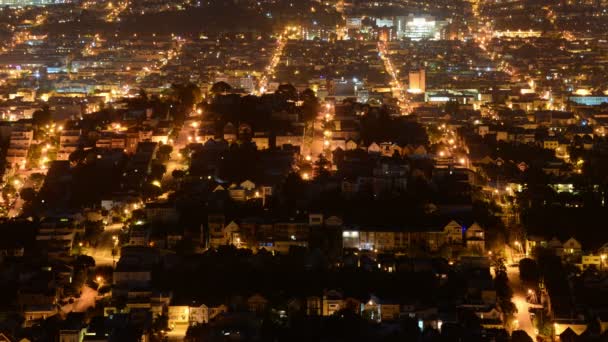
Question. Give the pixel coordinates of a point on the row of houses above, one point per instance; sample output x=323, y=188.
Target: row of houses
x=281, y=235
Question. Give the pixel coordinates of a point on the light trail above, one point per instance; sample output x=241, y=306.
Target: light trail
x=274, y=61
x=399, y=91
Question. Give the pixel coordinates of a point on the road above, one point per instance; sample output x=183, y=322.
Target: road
x=82, y=304
x=177, y=333
x=519, y=299
x=102, y=253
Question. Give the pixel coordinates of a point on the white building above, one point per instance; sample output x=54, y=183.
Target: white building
x=417, y=82
x=417, y=28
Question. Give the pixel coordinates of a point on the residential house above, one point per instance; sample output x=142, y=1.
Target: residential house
x=19, y=145
x=69, y=141
x=475, y=238
x=391, y=239
x=257, y=303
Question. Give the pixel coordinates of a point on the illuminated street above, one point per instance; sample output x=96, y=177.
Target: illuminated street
x=524, y=321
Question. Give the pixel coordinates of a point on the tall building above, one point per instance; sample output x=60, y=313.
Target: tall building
x=417, y=28
x=417, y=82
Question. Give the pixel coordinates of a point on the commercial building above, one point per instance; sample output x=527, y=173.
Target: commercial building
x=419, y=27
x=417, y=81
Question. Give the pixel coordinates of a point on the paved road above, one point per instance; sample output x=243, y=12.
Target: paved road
x=519, y=298
x=178, y=333
x=102, y=253
x=82, y=304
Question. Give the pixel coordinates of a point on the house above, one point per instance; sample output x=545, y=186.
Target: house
x=390, y=239
x=257, y=303
x=351, y=145
x=72, y=328
x=163, y=212
x=374, y=148
x=475, y=238
x=572, y=248
x=379, y=310
x=69, y=140
x=20, y=140
x=225, y=235
x=577, y=325
x=131, y=275
x=38, y=312
x=556, y=246
x=589, y=260
x=332, y=302
x=314, y=306
x=178, y=315
x=199, y=314
x=214, y=311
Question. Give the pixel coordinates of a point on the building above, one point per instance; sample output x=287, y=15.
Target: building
x=19, y=145
x=392, y=239
x=69, y=141
x=418, y=28
x=417, y=81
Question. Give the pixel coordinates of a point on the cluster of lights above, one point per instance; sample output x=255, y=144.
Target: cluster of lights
x=50, y=130
x=395, y=83
x=274, y=60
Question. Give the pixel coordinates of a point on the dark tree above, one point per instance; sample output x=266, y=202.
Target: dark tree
x=27, y=194
x=321, y=168
x=310, y=105
x=42, y=117
x=220, y=88
x=288, y=91
x=528, y=270
x=520, y=336
x=178, y=174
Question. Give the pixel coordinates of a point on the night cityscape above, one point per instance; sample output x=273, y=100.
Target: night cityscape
x=304, y=170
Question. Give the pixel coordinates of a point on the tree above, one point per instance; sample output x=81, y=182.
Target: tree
x=42, y=117
x=164, y=152
x=220, y=88
x=321, y=168
x=165, y=149
x=85, y=261
x=37, y=179
x=452, y=107
x=504, y=293
x=528, y=270
x=8, y=191
x=310, y=105
x=187, y=95
x=160, y=324
x=143, y=94
x=520, y=336
x=178, y=174
x=28, y=194
x=288, y=91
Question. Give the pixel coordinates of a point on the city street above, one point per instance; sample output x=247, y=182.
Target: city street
x=102, y=253
x=519, y=299
x=82, y=304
